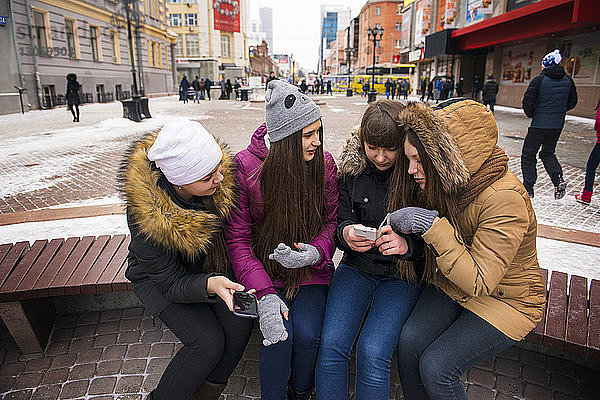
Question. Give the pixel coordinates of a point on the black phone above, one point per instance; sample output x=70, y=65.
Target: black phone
x=245, y=305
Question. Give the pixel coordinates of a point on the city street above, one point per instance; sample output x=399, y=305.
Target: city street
x=53, y=170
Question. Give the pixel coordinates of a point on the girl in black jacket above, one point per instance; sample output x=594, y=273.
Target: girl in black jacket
x=179, y=188
x=72, y=96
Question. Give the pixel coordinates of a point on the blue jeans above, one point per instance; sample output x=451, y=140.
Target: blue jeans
x=440, y=341
x=294, y=360
x=383, y=304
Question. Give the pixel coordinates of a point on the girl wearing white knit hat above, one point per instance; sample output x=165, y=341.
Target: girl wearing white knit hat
x=179, y=188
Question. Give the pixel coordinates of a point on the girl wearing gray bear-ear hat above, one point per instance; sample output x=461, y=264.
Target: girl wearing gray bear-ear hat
x=281, y=237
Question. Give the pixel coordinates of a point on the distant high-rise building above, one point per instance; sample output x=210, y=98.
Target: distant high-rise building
x=333, y=18
x=266, y=21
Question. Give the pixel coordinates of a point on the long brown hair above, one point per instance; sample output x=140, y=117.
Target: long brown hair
x=408, y=193
x=293, y=201
x=379, y=124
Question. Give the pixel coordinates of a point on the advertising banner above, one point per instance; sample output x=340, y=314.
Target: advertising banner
x=581, y=61
x=487, y=6
x=405, y=32
x=441, y=21
x=517, y=65
x=474, y=11
x=446, y=14
x=422, y=21
x=408, y=2
x=227, y=15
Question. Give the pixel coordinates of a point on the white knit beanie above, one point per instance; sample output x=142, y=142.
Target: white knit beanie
x=185, y=152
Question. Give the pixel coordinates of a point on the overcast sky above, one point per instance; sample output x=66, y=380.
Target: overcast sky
x=296, y=26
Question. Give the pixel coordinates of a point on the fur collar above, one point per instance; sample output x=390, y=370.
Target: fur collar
x=158, y=217
x=352, y=160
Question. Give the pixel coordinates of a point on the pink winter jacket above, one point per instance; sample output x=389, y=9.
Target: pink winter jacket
x=248, y=270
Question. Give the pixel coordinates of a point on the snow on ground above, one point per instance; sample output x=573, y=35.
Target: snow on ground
x=101, y=201
x=572, y=118
x=572, y=258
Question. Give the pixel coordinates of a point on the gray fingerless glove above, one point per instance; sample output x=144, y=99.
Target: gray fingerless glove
x=305, y=256
x=270, y=310
x=409, y=220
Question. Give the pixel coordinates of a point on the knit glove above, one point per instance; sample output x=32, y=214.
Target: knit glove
x=305, y=256
x=409, y=220
x=270, y=310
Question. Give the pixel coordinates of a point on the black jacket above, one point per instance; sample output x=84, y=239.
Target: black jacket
x=363, y=191
x=170, y=237
x=548, y=98
x=72, y=95
x=490, y=90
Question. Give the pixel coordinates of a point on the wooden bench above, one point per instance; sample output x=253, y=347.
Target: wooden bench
x=31, y=275
x=571, y=319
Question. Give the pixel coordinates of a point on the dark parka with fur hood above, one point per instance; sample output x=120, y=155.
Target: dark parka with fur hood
x=170, y=237
x=363, y=199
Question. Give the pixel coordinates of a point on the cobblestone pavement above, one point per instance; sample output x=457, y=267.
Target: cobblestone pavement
x=121, y=354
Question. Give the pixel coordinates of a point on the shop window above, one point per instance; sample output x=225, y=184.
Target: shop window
x=48, y=95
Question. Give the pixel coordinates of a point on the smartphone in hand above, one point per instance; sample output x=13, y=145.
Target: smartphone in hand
x=366, y=232
x=245, y=305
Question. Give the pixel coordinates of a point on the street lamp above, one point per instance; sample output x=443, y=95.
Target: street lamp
x=374, y=34
x=349, y=51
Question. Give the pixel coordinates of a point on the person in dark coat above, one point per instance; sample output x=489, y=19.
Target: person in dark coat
x=303, y=86
x=207, y=85
x=546, y=101
x=236, y=87
x=423, y=88
x=406, y=88
x=228, y=89
x=184, y=87
x=202, y=89
x=475, y=87
x=196, y=87
x=388, y=88
x=430, y=89
x=394, y=87
x=179, y=188
x=328, y=84
x=490, y=90
x=270, y=78
x=72, y=96
x=222, y=84
x=460, y=87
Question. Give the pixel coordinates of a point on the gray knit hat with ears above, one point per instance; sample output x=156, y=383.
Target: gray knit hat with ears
x=288, y=111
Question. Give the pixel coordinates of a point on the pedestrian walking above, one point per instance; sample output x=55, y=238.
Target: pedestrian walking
x=546, y=101
x=423, y=88
x=592, y=164
x=196, y=87
x=179, y=189
x=222, y=85
x=270, y=78
x=281, y=237
x=184, y=87
x=329, y=87
x=208, y=84
x=490, y=90
x=484, y=290
x=430, y=89
x=460, y=87
x=450, y=93
x=236, y=87
x=303, y=86
x=365, y=88
x=406, y=88
x=202, y=89
x=228, y=89
x=439, y=86
x=371, y=282
x=394, y=88
x=72, y=96
x=388, y=88
x=475, y=87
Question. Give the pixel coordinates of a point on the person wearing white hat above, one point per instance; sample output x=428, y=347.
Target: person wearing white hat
x=179, y=188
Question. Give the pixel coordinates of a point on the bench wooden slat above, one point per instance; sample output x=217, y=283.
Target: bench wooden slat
x=20, y=270
x=89, y=281
x=576, y=330
x=73, y=285
x=120, y=283
x=537, y=334
x=40, y=288
x=593, y=339
x=556, y=316
x=4, y=248
x=12, y=258
x=104, y=283
x=56, y=287
x=40, y=265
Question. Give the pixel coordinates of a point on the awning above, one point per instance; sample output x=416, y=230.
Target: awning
x=544, y=18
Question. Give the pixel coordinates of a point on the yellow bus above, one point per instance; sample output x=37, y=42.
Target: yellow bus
x=406, y=72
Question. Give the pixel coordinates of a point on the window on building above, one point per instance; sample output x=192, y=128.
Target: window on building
x=225, y=46
x=114, y=46
x=179, y=47
x=153, y=60
x=175, y=19
x=174, y=1
x=191, y=44
x=190, y=1
x=378, y=10
x=191, y=19
x=376, y=59
x=398, y=26
x=378, y=26
x=41, y=35
x=70, y=37
x=397, y=43
x=94, y=43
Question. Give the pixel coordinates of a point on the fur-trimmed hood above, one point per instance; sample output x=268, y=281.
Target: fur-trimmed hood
x=352, y=159
x=459, y=135
x=174, y=228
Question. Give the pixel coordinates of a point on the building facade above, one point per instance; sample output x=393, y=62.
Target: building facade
x=211, y=38
x=9, y=61
x=261, y=64
x=90, y=38
x=334, y=18
x=266, y=24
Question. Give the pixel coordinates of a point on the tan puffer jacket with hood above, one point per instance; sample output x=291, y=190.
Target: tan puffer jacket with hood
x=497, y=275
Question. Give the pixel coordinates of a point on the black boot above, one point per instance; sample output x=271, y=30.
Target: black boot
x=150, y=395
x=560, y=188
x=208, y=391
x=293, y=394
x=529, y=189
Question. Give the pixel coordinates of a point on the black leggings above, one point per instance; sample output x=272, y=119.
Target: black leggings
x=74, y=108
x=213, y=342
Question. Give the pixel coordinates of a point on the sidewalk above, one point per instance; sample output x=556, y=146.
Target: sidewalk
x=57, y=179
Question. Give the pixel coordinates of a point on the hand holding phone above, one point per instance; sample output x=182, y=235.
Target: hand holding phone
x=245, y=305
x=356, y=242
x=366, y=232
